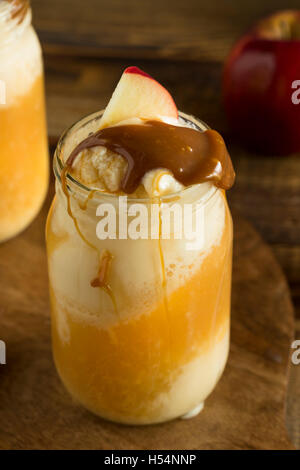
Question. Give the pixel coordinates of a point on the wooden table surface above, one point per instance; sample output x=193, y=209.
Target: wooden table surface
x=245, y=411
x=184, y=45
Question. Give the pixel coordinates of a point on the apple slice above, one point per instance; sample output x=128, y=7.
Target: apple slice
x=138, y=95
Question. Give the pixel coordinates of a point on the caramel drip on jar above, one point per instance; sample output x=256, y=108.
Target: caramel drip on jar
x=19, y=9
x=101, y=280
x=164, y=283
x=90, y=196
x=192, y=156
x=69, y=209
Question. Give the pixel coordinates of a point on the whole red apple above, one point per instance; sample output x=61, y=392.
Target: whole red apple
x=261, y=85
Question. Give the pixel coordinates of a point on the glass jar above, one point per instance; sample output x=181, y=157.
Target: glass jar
x=153, y=346
x=24, y=164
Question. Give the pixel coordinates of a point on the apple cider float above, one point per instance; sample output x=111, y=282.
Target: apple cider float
x=140, y=324
x=23, y=141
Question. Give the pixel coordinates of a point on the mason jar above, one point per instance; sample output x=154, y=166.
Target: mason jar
x=151, y=344
x=23, y=140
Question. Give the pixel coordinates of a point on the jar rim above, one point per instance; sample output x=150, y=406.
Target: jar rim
x=73, y=183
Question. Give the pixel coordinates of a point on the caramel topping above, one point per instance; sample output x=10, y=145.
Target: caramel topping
x=19, y=9
x=192, y=156
x=102, y=279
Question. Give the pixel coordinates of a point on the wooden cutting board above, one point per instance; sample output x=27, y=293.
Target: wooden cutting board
x=246, y=411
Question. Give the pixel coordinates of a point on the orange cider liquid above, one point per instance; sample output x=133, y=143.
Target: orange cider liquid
x=23, y=160
x=153, y=366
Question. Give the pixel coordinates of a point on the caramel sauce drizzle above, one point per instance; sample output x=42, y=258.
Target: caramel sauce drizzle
x=164, y=284
x=101, y=280
x=19, y=9
x=90, y=196
x=69, y=209
x=192, y=156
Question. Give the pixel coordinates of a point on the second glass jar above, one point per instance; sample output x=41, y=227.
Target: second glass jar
x=24, y=163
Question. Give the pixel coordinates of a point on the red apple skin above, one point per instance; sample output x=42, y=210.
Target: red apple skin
x=135, y=70
x=257, y=92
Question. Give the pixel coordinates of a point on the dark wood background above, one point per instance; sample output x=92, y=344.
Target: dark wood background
x=183, y=44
